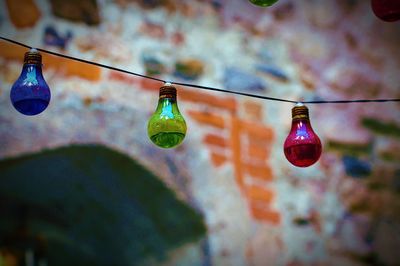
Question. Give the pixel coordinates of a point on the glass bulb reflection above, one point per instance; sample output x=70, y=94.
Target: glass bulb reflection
x=302, y=146
x=30, y=94
x=167, y=127
x=263, y=3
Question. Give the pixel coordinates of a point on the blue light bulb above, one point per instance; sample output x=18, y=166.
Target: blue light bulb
x=30, y=94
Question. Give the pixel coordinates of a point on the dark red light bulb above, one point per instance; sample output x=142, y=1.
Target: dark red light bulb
x=302, y=146
x=387, y=10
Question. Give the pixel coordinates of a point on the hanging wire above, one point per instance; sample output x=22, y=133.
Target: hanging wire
x=198, y=86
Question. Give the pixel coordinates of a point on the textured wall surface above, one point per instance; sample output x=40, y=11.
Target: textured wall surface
x=258, y=208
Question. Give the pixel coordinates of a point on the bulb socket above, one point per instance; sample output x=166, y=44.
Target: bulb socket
x=168, y=91
x=34, y=58
x=300, y=112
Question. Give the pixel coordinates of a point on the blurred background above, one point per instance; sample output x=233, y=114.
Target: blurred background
x=81, y=184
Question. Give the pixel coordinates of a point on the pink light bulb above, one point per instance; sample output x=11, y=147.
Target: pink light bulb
x=302, y=146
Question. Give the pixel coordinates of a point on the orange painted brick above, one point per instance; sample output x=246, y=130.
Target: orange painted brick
x=218, y=159
x=253, y=109
x=122, y=77
x=236, y=151
x=258, y=151
x=23, y=13
x=264, y=214
x=82, y=70
x=215, y=140
x=257, y=193
x=257, y=130
x=262, y=172
x=208, y=118
x=152, y=85
x=189, y=95
x=72, y=68
x=11, y=51
x=65, y=66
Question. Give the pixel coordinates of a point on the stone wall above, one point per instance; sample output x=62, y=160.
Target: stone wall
x=259, y=209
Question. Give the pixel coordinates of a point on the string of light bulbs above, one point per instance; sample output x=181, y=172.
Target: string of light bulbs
x=195, y=85
x=166, y=128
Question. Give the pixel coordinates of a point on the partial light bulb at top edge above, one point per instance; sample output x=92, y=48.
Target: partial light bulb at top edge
x=263, y=3
x=30, y=94
x=167, y=127
x=302, y=146
x=386, y=10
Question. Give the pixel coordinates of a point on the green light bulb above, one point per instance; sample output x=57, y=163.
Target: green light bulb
x=167, y=127
x=263, y=3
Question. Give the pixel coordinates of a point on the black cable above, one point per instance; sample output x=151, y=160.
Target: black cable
x=198, y=86
x=234, y=92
